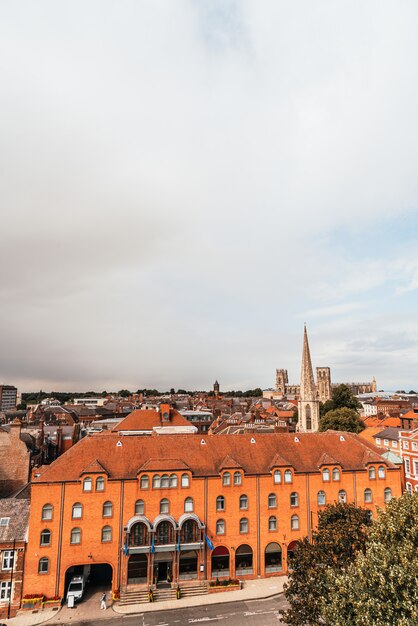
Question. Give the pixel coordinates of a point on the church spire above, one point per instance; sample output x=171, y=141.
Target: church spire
x=307, y=382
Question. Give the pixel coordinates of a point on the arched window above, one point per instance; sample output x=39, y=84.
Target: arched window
x=77, y=511
x=164, y=506
x=138, y=535
x=325, y=475
x=165, y=481
x=336, y=474
x=87, y=484
x=185, y=480
x=164, y=533
x=272, y=501
x=243, y=502
x=173, y=481
x=272, y=522
x=190, y=531
x=45, y=537
x=188, y=505
x=277, y=477
x=342, y=496
x=388, y=494
x=156, y=481
x=372, y=472
x=322, y=498
x=244, y=560
x=100, y=484
x=220, y=503
x=368, y=496
x=294, y=522
x=381, y=471
x=43, y=565
x=139, y=507
x=107, y=509
x=220, y=527
x=106, y=534
x=237, y=478
x=226, y=479
x=409, y=488
x=294, y=499
x=144, y=482
x=288, y=476
x=308, y=416
x=47, y=510
x=273, y=558
x=75, y=536
x=243, y=525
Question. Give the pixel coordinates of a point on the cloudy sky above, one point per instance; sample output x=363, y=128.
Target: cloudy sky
x=184, y=183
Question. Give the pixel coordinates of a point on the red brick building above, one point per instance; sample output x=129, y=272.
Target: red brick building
x=14, y=517
x=409, y=453
x=191, y=507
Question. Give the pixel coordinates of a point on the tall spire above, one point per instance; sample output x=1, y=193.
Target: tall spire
x=307, y=382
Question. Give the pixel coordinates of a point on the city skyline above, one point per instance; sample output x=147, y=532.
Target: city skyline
x=184, y=184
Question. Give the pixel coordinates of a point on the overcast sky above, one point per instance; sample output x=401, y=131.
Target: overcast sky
x=184, y=184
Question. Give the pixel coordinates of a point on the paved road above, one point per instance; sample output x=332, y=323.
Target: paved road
x=251, y=613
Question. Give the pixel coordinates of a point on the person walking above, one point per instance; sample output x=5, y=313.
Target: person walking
x=103, y=602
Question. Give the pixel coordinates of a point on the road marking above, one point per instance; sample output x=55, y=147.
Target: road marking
x=204, y=619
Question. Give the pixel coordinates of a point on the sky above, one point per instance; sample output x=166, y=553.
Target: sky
x=184, y=184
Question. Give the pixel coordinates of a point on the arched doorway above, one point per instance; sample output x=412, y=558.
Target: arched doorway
x=220, y=562
x=273, y=558
x=188, y=565
x=243, y=560
x=290, y=553
x=96, y=577
x=137, y=569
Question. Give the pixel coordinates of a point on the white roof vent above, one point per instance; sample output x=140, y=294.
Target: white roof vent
x=252, y=440
x=202, y=442
x=342, y=438
x=119, y=444
x=296, y=440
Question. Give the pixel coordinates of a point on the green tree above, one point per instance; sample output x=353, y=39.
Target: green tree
x=344, y=419
x=342, y=397
x=124, y=393
x=342, y=532
x=381, y=587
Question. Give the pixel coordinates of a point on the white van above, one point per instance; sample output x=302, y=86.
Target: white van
x=76, y=588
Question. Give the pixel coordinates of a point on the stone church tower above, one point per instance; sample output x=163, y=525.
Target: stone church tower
x=308, y=401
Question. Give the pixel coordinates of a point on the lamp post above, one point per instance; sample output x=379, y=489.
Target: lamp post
x=11, y=579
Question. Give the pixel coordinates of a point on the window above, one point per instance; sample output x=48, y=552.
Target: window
x=409, y=488
x=47, y=511
x=294, y=499
x=368, y=496
x=243, y=525
x=107, y=509
x=106, y=534
x=322, y=498
x=288, y=476
x=87, y=484
x=385, y=442
x=407, y=466
x=414, y=445
x=220, y=527
x=378, y=441
x=416, y=468
x=5, y=590
x=77, y=510
x=273, y=523
x=165, y=481
x=185, y=481
x=406, y=445
x=325, y=475
x=272, y=501
x=226, y=479
x=243, y=502
x=45, y=537
x=144, y=482
x=100, y=484
x=294, y=522
x=387, y=494
x=43, y=565
x=139, y=507
x=336, y=474
x=156, y=482
x=4, y=521
x=237, y=478
x=381, y=471
x=372, y=473
x=220, y=503
x=394, y=444
x=188, y=505
x=342, y=496
x=173, y=481
x=75, y=535
x=164, y=506
x=277, y=477
x=8, y=558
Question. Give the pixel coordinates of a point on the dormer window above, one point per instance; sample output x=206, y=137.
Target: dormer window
x=237, y=478
x=87, y=484
x=226, y=479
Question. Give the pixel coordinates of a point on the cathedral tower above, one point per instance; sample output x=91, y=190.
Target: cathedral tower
x=323, y=381
x=308, y=401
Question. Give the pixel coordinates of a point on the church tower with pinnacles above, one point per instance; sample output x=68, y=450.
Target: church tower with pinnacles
x=308, y=401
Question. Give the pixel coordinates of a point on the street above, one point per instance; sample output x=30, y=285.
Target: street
x=251, y=613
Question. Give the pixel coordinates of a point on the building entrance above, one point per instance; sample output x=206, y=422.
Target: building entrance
x=164, y=573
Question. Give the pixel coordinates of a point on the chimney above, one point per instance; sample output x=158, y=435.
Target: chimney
x=165, y=413
x=15, y=428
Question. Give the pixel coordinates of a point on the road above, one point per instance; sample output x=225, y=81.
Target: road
x=251, y=613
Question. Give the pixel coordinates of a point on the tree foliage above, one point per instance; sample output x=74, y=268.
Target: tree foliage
x=381, y=587
x=342, y=397
x=344, y=419
x=342, y=532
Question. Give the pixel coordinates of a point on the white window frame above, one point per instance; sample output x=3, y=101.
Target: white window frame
x=6, y=590
x=7, y=560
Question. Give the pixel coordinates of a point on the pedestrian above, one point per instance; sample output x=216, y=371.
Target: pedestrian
x=103, y=602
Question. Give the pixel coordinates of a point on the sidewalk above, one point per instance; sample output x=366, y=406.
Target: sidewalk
x=89, y=610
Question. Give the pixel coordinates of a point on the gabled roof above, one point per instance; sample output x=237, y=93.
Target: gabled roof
x=95, y=467
x=371, y=456
x=148, y=419
x=279, y=461
x=229, y=463
x=327, y=459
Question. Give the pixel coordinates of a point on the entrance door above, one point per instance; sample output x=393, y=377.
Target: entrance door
x=163, y=572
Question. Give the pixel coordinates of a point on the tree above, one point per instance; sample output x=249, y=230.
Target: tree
x=381, y=587
x=342, y=397
x=124, y=393
x=342, y=532
x=344, y=419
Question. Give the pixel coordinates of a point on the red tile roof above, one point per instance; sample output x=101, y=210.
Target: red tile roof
x=146, y=419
